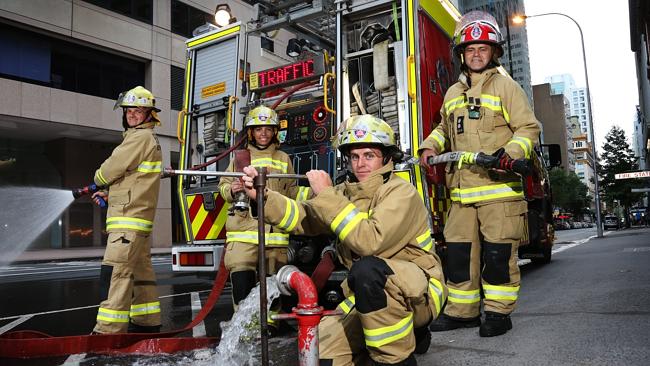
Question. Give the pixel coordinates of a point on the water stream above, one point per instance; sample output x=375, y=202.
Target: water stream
x=240, y=338
x=25, y=212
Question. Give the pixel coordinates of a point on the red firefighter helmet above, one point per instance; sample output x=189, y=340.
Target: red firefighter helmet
x=478, y=27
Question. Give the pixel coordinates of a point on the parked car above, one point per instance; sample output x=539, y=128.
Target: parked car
x=611, y=222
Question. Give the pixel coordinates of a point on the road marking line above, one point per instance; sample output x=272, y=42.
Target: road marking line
x=84, y=307
x=58, y=270
x=74, y=360
x=15, y=323
x=564, y=247
x=199, y=329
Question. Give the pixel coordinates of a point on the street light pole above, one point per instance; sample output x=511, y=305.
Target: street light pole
x=520, y=19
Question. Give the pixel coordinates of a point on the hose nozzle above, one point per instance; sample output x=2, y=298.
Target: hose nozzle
x=88, y=190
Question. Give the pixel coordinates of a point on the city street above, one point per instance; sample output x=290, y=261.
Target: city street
x=593, y=300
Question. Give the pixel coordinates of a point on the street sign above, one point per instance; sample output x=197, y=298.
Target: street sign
x=631, y=175
x=640, y=190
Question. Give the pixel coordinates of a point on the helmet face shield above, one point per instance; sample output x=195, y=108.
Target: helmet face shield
x=136, y=97
x=262, y=116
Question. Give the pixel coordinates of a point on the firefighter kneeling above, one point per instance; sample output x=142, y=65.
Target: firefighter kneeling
x=395, y=286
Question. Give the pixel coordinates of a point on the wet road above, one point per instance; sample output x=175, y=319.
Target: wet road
x=62, y=299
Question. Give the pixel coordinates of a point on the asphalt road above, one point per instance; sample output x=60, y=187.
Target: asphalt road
x=588, y=306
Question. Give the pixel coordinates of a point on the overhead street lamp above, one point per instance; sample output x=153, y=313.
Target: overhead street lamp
x=519, y=19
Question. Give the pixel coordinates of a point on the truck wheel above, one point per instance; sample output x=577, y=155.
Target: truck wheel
x=546, y=259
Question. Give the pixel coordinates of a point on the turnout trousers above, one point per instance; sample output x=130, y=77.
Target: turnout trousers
x=127, y=284
x=386, y=300
x=482, y=242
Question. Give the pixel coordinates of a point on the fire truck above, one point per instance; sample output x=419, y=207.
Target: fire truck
x=391, y=59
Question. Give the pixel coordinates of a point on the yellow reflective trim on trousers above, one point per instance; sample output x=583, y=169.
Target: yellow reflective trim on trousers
x=131, y=223
x=145, y=309
x=270, y=163
x=437, y=291
x=269, y=317
x=425, y=242
x=382, y=336
x=525, y=144
x=113, y=316
x=303, y=193
x=493, y=292
x=251, y=237
x=150, y=167
x=464, y=297
x=290, y=219
x=440, y=139
x=101, y=178
x=484, y=193
x=347, y=304
x=347, y=220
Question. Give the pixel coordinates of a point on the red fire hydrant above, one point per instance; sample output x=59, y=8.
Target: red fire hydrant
x=307, y=312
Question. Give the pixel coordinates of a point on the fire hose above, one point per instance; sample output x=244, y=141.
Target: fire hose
x=499, y=160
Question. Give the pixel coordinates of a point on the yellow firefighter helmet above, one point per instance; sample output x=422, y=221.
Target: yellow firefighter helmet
x=138, y=97
x=364, y=129
x=261, y=116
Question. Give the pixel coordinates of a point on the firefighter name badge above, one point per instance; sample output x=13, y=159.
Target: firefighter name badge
x=460, y=125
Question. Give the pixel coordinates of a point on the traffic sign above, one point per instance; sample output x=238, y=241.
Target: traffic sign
x=631, y=175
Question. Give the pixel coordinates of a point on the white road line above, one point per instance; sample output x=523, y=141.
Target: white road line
x=59, y=270
x=14, y=323
x=199, y=329
x=74, y=360
x=84, y=307
x=562, y=248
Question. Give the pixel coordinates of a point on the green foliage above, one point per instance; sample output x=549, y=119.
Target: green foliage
x=617, y=157
x=569, y=193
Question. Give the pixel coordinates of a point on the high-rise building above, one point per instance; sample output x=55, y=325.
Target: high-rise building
x=550, y=110
x=576, y=97
x=515, y=49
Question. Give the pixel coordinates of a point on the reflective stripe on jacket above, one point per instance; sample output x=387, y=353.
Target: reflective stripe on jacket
x=502, y=117
x=132, y=175
x=242, y=227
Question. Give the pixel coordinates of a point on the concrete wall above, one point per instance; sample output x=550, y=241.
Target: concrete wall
x=26, y=108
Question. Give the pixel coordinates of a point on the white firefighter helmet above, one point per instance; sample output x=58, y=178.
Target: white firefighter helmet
x=138, y=97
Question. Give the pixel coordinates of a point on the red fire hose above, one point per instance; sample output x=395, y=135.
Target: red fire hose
x=32, y=344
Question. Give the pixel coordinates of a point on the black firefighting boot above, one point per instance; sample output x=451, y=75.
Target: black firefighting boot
x=495, y=324
x=242, y=283
x=135, y=328
x=422, y=340
x=409, y=361
x=446, y=322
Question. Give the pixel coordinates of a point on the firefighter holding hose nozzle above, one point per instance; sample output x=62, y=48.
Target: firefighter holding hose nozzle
x=395, y=286
x=484, y=112
x=131, y=181
x=241, y=260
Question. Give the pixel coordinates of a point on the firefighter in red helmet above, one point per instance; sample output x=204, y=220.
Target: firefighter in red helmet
x=484, y=111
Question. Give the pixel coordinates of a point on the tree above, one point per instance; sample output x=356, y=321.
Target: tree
x=569, y=193
x=617, y=157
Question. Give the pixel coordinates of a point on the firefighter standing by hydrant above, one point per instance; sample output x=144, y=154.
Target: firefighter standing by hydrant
x=132, y=176
x=395, y=286
x=241, y=252
x=483, y=112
